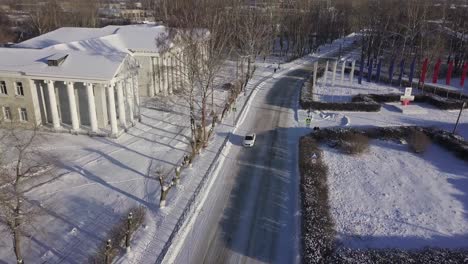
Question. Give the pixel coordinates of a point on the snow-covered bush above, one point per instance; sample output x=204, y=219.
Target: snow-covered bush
x=418, y=141
x=353, y=143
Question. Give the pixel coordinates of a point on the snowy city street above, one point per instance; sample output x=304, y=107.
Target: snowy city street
x=233, y=131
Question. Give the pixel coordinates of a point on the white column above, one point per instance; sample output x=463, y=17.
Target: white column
x=185, y=67
x=164, y=74
x=343, y=71
x=91, y=107
x=112, y=113
x=182, y=70
x=153, y=78
x=183, y=73
x=179, y=70
x=120, y=101
x=157, y=84
x=53, y=104
x=174, y=72
x=41, y=88
x=351, y=75
x=324, y=82
x=136, y=94
x=129, y=97
x=314, y=80
x=169, y=74
x=72, y=105
x=335, y=64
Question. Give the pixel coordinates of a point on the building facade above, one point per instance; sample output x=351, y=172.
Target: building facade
x=87, y=80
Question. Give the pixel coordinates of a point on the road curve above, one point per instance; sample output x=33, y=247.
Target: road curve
x=252, y=214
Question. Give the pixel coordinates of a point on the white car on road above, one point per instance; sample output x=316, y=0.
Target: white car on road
x=249, y=140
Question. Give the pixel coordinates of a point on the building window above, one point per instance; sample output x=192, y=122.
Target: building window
x=3, y=89
x=19, y=89
x=6, y=113
x=23, y=114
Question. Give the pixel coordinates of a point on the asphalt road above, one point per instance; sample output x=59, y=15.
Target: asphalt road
x=253, y=213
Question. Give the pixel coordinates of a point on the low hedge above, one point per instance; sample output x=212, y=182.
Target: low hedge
x=361, y=106
x=371, y=102
x=318, y=234
x=445, y=139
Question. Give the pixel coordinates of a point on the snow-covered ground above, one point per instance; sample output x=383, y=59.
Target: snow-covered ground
x=393, y=198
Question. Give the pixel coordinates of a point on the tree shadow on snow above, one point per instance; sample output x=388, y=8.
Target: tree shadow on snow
x=260, y=215
x=72, y=232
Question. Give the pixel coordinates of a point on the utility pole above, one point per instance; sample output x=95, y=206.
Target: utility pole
x=458, y=119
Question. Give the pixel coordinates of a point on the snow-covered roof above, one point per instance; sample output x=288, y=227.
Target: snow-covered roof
x=93, y=53
x=63, y=35
x=122, y=38
x=77, y=65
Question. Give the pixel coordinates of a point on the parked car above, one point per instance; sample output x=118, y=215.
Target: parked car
x=249, y=140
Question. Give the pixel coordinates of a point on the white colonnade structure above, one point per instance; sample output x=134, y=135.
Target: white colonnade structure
x=89, y=80
x=87, y=107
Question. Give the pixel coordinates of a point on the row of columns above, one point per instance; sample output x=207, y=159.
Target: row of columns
x=124, y=103
x=335, y=66
x=170, y=71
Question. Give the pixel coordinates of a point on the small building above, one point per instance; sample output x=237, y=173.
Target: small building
x=87, y=80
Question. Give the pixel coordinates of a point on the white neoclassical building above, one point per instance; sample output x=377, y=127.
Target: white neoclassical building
x=87, y=80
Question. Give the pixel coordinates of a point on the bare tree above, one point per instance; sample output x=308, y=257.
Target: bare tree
x=253, y=33
x=165, y=187
x=83, y=13
x=202, y=37
x=44, y=16
x=6, y=34
x=20, y=165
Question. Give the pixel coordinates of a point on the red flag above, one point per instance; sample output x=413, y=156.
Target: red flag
x=449, y=73
x=423, y=71
x=465, y=70
x=435, y=76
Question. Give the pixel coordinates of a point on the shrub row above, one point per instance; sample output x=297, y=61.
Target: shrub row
x=318, y=232
x=357, y=107
x=453, y=143
x=371, y=102
x=445, y=139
